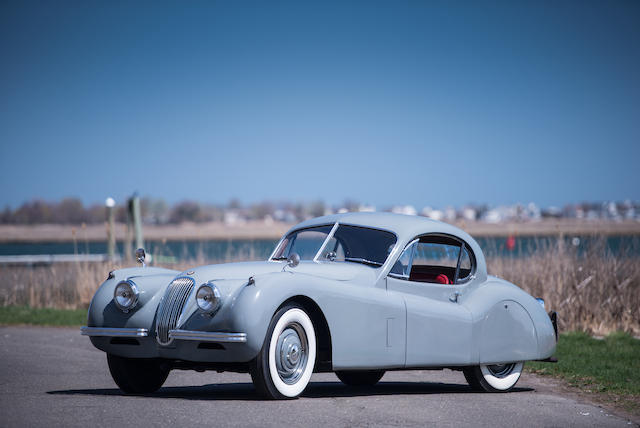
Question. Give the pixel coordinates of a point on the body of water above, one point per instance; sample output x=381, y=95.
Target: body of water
x=242, y=249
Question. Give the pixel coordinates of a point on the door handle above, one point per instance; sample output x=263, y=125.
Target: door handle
x=454, y=297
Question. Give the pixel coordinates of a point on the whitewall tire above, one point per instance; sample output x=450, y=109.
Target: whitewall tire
x=285, y=364
x=494, y=377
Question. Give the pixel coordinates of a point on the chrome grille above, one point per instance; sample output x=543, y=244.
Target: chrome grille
x=171, y=307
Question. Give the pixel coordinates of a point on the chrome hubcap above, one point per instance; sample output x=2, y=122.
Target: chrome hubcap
x=500, y=370
x=291, y=353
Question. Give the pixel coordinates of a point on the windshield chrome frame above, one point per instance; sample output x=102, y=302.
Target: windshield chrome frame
x=335, y=227
x=390, y=257
x=277, y=247
x=326, y=241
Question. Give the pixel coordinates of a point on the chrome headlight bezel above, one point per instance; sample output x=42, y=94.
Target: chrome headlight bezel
x=126, y=290
x=208, y=298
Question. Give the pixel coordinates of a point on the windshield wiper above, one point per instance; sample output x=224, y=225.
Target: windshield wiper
x=363, y=261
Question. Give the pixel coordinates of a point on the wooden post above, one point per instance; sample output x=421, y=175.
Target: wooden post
x=128, y=254
x=111, y=229
x=137, y=222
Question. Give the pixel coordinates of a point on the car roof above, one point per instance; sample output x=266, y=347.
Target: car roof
x=405, y=227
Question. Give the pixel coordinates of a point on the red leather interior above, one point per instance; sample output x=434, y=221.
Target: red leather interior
x=438, y=278
x=442, y=279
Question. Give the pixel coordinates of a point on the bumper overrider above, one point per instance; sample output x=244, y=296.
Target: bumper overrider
x=200, y=336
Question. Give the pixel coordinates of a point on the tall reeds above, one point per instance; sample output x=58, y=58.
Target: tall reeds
x=592, y=289
x=62, y=286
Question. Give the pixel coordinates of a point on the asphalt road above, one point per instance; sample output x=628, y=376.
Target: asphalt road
x=54, y=377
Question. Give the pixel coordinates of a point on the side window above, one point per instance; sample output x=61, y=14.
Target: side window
x=465, y=266
x=434, y=259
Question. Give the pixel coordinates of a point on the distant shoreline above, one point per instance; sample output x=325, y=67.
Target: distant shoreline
x=255, y=230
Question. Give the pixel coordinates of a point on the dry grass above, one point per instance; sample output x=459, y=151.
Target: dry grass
x=592, y=291
x=72, y=285
x=61, y=286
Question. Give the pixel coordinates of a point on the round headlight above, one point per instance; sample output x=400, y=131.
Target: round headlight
x=208, y=297
x=125, y=296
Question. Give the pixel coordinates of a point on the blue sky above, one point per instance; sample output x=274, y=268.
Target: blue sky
x=423, y=103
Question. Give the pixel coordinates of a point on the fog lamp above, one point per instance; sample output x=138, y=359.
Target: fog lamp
x=125, y=295
x=208, y=297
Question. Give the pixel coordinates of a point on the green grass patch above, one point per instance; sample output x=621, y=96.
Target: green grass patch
x=42, y=316
x=608, y=367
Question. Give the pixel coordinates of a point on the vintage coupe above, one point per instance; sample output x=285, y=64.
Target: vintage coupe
x=355, y=293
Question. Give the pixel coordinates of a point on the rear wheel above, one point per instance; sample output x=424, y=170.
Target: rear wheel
x=493, y=377
x=136, y=375
x=360, y=377
x=284, y=366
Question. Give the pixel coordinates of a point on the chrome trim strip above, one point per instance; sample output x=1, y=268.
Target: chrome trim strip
x=292, y=230
x=326, y=240
x=273, y=253
x=119, y=332
x=207, y=336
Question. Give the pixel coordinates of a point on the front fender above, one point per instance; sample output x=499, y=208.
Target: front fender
x=366, y=324
x=254, y=306
x=151, y=283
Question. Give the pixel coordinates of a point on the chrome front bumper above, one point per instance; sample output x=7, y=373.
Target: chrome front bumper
x=116, y=332
x=207, y=336
x=202, y=336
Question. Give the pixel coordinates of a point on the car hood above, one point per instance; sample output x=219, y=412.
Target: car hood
x=337, y=271
x=231, y=278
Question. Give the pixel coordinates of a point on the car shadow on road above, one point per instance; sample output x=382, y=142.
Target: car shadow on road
x=246, y=391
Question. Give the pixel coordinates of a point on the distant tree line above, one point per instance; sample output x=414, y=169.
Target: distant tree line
x=156, y=211
x=67, y=211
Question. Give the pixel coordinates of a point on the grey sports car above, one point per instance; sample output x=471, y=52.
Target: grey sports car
x=356, y=294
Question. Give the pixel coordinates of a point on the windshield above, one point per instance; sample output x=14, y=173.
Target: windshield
x=359, y=245
x=348, y=244
x=305, y=242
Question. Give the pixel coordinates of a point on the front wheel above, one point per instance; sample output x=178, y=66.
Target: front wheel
x=285, y=363
x=136, y=375
x=493, y=377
